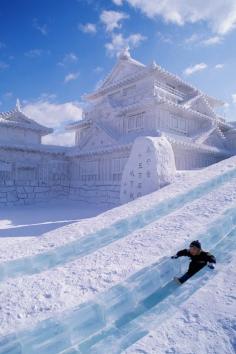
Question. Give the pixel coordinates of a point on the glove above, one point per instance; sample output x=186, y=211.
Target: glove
x=174, y=257
x=211, y=266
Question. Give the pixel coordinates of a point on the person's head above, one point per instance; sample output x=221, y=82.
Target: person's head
x=195, y=248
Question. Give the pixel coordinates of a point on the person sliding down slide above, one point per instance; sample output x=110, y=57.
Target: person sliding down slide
x=199, y=259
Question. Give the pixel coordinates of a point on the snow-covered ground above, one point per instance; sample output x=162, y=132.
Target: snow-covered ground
x=204, y=324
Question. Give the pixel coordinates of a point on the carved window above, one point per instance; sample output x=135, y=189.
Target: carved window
x=117, y=166
x=136, y=122
x=178, y=124
x=89, y=171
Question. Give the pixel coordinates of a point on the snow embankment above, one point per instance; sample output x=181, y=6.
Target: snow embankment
x=14, y=248
x=29, y=299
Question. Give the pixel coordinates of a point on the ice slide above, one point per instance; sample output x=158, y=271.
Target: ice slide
x=126, y=312
x=92, y=242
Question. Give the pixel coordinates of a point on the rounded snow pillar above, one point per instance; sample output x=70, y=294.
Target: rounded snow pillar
x=151, y=166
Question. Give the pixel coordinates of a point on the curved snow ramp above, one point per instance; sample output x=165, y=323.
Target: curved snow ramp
x=92, y=242
x=126, y=312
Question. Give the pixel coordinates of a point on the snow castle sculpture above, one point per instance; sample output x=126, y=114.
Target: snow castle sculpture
x=134, y=101
x=151, y=166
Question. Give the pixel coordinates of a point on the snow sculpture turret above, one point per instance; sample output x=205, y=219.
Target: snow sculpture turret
x=125, y=54
x=151, y=166
x=18, y=106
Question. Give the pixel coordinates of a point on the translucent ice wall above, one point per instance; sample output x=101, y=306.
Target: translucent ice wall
x=92, y=242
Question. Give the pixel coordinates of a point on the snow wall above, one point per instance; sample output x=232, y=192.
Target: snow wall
x=27, y=177
x=151, y=166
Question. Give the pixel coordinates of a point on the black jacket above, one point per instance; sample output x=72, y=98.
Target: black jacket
x=197, y=262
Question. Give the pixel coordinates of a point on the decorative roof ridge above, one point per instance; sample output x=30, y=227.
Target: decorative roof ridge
x=74, y=150
x=44, y=148
x=108, y=131
x=187, y=109
x=74, y=124
x=198, y=146
x=7, y=118
x=23, y=125
x=191, y=99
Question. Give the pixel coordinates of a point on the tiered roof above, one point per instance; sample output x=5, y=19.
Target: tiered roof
x=128, y=70
x=17, y=119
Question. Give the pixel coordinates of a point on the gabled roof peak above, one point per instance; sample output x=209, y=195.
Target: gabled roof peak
x=125, y=54
x=16, y=118
x=18, y=105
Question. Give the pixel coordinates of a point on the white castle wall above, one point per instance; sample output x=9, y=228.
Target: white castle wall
x=28, y=177
x=97, y=178
x=188, y=159
x=231, y=140
x=15, y=135
x=151, y=166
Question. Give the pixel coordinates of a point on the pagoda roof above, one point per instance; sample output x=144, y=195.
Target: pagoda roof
x=128, y=70
x=17, y=119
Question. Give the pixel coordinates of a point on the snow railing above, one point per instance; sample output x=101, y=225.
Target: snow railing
x=93, y=242
x=102, y=323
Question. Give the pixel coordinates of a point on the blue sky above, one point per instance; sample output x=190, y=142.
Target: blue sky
x=54, y=51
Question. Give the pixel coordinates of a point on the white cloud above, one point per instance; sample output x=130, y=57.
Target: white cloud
x=118, y=2
x=88, y=28
x=7, y=95
x=165, y=38
x=98, y=69
x=195, y=68
x=33, y=53
x=111, y=19
x=43, y=29
x=52, y=114
x=212, y=40
x=118, y=42
x=57, y=138
x=69, y=58
x=219, y=66
x=234, y=97
x=3, y=65
x=219, y=14
x=192, y=39
x=202, y=40
x=71, y=77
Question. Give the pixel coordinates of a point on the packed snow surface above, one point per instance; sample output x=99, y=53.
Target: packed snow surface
x=27, y=299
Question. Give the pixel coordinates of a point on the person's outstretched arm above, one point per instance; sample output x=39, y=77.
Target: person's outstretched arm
x=210, y=258
x=182, y=253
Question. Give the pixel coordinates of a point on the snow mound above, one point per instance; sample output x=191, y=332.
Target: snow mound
x=151, y=166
